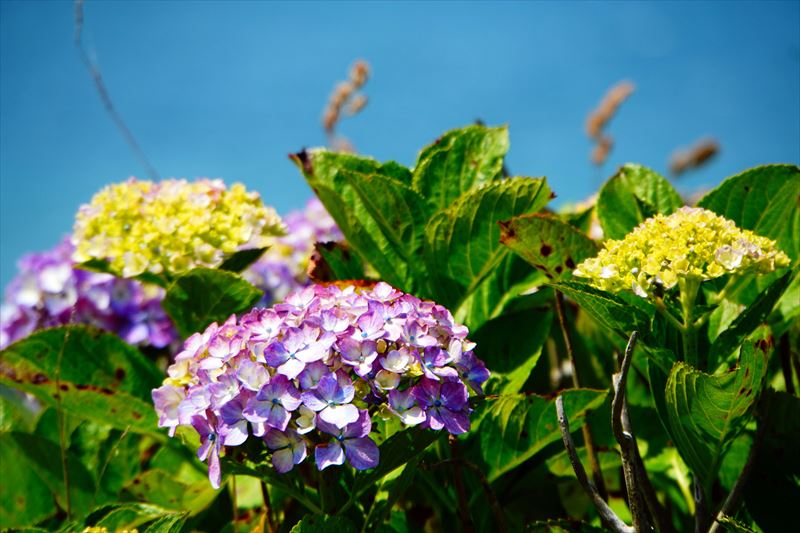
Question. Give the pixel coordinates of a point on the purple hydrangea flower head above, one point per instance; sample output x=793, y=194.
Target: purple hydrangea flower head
x=51, y=291
x=307, y=375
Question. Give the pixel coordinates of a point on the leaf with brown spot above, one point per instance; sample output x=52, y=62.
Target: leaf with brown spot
x=98, y=372
x=547, y=243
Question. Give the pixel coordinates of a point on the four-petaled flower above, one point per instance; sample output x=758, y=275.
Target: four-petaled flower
x=351, y=442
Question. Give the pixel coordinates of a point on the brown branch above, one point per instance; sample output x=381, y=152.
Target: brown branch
x=627, y=442
x=607, y=515
x=100, y=85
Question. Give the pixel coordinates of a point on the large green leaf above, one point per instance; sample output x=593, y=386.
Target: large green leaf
x=705, y=412
x=507, y=288
x=203, y=295
x=610, y=310
x=96, y=375
x=397, y=211
x=515, y=427
x=462, y=245
x=374, y=206
x=632, y=195
x=458, y=161
x=510, y=351
x=547, y=243
x=762, y=199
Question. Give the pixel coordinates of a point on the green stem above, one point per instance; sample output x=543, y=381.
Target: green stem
x=689, y=288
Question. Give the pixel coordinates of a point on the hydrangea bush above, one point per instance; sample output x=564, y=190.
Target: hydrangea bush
x=309, y=373
x=658, y=350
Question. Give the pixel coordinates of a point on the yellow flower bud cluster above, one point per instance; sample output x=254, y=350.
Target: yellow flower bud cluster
x=692, y=243
x=173, y=225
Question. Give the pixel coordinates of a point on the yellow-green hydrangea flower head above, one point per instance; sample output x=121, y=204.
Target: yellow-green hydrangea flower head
x=173, y=225
x=692, y=243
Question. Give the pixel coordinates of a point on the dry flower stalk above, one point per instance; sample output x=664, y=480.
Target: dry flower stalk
x=695, y=156
x=598, y=119
x=345, y=100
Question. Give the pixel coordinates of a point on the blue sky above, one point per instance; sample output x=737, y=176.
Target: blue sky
x=228, y=89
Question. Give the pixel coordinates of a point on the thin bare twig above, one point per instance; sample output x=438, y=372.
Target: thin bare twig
x=588, y=441
x=100, y=85
x=607, y=515
x=626, y=441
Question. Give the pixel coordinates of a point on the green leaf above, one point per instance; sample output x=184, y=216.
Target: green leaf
x=337, y=263
x=462, y=245
x=762, y=199
x=238, y=261
x=514, y=428
x=171, y=523
x=547, y=243
x=323, y=524
x=127, y=516
x=772, y=490
x=398, y=212
x=705, y=412
x=459, y=161
x=511, y=286
x=97, y=376
x=511, y=351
x=160, y=487
x=42, y=457
x=203, y=295
x=610, y=310
x=748, y=320
x=25, y=499
x=632, y=195
x=373, y=204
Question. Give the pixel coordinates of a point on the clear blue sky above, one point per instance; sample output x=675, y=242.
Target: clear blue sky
x=227, y=89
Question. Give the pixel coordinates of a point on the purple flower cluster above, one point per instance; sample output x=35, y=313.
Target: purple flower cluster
x=49, y=291
x=309, y=373
x=282, y=268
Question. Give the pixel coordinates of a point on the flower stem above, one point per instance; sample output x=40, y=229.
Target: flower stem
x=689, y=288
